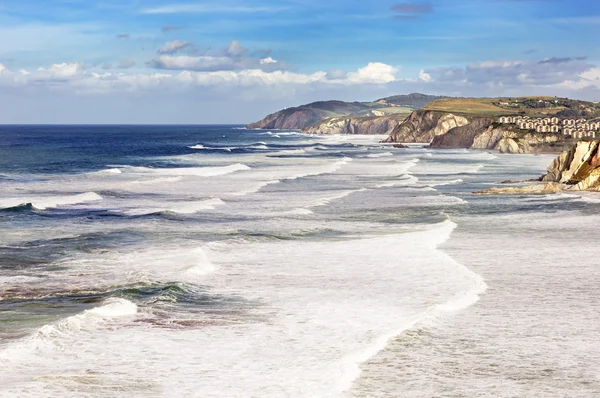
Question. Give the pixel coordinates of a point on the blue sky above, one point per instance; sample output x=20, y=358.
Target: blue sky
x=169, y=61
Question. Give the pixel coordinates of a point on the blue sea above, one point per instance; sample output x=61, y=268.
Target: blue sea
x=215, y=261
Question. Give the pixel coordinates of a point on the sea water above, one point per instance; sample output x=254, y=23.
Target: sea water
x=214, y=261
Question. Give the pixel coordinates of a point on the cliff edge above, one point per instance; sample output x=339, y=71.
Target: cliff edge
x=357, y=125
x=449, y=130
x=577, y=169
x=422, y=126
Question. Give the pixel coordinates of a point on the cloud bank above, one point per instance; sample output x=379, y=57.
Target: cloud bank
x=255, y=83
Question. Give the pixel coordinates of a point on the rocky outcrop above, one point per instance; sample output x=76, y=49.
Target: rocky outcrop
x=303, y=116
x=577, y=169
x=579, y=165
x=462, y=136
x=540, y=189
x=357, y=125
x=290, y=119
x=422, y=126
x=484, y=133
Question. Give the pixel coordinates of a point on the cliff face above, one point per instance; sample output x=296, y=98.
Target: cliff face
x=303, y=116
x=357, y=125
x=510, y=140
x=290, y=119
x=446, y=130
x=580, y=165
x=577, y=169
x=465, y=136
x=422, y=126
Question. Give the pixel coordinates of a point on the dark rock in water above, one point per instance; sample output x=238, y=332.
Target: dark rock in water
x=522, y=181
x=400, y=146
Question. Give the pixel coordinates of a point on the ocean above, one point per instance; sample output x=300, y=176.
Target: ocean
x=214, y=261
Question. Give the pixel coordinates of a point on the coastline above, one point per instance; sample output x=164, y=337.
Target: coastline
x=526, y=335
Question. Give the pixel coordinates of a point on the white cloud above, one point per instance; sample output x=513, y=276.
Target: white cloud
x=235, y=49
x=374, y=72
x=171, y=47
x=424, y=76
x=231, y=57
x=268, y=60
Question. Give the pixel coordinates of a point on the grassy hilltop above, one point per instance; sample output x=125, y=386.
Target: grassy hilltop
x=530, y=106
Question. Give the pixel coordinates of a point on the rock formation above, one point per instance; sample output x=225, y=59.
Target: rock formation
x=464, y=136
x=303, y=116
x=540, y=189
x=357, y=125
x=422, y=126
x=447, y=130
x=577, y=169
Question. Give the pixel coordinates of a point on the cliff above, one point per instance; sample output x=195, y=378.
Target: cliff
x=303, y=116
x=307, y=115
x=357, y=125
x=509, y=139
x=577, y=169
x=579, y=166
x=422, y=126
x=465, y=136
x=448, y=130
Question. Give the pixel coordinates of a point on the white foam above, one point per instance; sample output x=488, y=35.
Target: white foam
x=406, y=180
x=325, y=201
x=108, y=171
x=441, y=183
x=193, y=171
x=590, y=197
x=199, y=146
x=183, y=207
x=46, y=202
x=380, y=155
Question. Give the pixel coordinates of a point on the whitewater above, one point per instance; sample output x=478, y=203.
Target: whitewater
x=212, y=261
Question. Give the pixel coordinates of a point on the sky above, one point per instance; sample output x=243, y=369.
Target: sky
x=234, y=61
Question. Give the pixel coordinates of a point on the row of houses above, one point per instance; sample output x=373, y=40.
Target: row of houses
x=576, y=128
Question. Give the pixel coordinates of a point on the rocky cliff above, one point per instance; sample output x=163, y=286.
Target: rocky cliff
x=577, y=169
x=465, y=136
x=422, y=126
x=579, y=166
x=292, y=118
x=509, y=139
x=447, y=130
x=303, y=116
x=357, y=125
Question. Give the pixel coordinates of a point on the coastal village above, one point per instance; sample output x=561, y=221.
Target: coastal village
x=575, y=128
